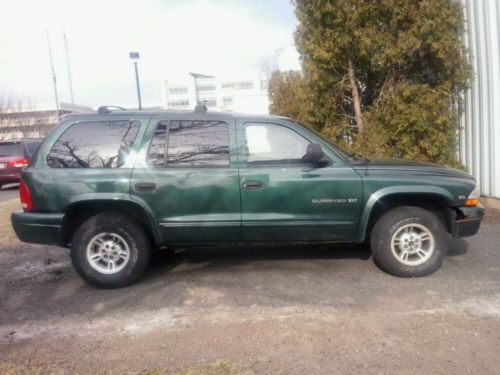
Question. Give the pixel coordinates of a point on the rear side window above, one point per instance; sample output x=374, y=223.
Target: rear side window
x=99, y=144
x=11, y=149
x=190, y=144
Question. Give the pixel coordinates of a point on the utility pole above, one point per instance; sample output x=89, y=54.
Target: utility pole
x=134, y=56
x=66, y=49
x=54, y=80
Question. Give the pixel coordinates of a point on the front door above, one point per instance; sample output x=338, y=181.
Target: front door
x=283, y=198
x=190, y=179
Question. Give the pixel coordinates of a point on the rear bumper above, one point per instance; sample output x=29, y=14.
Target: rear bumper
x=465, y=221
x=40, y=228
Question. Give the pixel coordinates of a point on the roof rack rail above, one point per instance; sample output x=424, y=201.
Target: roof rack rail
x=105, y=109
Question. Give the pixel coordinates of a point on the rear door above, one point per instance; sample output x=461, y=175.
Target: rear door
x=189, y=178
x=283, y=197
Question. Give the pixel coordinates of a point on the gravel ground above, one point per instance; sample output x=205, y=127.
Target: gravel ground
x=263, y=310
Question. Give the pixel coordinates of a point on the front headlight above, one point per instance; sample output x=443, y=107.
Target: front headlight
x=473, y=198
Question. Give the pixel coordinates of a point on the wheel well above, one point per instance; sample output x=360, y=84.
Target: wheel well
x=80, y=212
x=430, y=202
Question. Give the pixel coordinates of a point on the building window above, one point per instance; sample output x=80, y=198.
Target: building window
x=211, y=102
x=177, y=90
x=178, y=103
x=227, y=100
x=228, y=85
x=245, y=85
x=206, y=87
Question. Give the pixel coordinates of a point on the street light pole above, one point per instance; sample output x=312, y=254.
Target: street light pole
x=134, y=56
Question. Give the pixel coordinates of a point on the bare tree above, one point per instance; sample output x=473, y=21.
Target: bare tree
x=20, y=118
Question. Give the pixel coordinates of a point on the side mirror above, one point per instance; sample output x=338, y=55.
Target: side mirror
x=314, y=154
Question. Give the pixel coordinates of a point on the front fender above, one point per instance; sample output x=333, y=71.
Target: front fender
x=386, y=192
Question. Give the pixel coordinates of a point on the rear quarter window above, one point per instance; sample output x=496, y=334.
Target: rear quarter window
x=99, y=144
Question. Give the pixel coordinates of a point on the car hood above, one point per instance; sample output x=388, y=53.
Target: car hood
x=412, y=166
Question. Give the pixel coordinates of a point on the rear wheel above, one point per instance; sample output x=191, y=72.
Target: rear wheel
x=110, y=251
x=409, y=242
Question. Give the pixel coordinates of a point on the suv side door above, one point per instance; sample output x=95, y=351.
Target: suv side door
x=284, y=198
x=188, y=175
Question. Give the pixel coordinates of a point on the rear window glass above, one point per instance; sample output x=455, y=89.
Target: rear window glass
x=32, y=147
x=100, y=144
x=11, y=149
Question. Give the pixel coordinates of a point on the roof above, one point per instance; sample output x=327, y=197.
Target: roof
x=187, y=113
x=17, y=140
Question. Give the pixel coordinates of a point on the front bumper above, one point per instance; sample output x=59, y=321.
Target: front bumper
x=40, y=228
x=465, y=221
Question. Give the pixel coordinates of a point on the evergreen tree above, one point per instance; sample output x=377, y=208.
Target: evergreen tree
x=382, y=76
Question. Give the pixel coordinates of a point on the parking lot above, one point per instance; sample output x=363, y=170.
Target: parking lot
x=9, y=192
x=264, y=309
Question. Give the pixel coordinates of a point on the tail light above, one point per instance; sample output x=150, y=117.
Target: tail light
x=21, y=163
x=25, y=196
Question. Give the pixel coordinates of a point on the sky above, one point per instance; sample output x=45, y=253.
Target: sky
x=172, y=36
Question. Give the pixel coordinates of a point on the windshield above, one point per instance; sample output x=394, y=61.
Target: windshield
x=10, y=149
x=350, y=156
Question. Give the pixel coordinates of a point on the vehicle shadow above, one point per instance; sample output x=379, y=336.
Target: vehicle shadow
x=456, y=246
x=222, y=256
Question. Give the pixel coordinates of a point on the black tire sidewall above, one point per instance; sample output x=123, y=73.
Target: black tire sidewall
x=389, y=223
x=132, y=233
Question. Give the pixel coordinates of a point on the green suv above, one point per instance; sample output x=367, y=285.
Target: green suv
x=112, y=185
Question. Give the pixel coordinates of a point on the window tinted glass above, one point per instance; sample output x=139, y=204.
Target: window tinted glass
x=190, y=144
x=198, y=143
x=156, y=154
x=274, y=144
x=11, y=149
x=103, y=144
x=32, y=147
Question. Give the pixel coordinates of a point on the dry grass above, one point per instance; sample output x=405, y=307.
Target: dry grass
x=218, y=368
x=7, y=234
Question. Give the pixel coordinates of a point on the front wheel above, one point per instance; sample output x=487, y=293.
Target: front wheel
x=110, y=251
x=409, y=242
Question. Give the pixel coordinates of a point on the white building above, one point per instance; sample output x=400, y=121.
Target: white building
x=243, y=91
x=480, y=136
x=33, y=121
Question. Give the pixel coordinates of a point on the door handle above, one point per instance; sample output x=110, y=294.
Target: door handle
x=252, y=185
x=145, y=187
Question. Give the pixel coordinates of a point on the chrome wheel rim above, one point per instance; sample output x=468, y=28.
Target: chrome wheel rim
x=413, y=244
x=108, y=253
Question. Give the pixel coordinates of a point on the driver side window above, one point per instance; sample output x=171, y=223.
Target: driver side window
x=268, y=144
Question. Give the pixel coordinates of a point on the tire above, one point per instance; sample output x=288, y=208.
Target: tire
x=409, y=242
x=110, y=238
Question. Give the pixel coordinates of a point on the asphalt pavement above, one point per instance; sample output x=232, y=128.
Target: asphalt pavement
x=266, y=309
x=8, y=192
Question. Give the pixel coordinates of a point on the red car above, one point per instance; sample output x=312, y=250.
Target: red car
x=15, y=155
